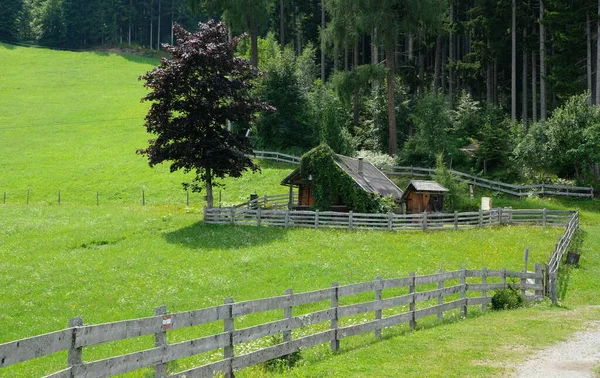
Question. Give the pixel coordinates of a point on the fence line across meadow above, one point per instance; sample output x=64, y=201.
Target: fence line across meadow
x=390, y=221
x=343, y=311
x=409, y=171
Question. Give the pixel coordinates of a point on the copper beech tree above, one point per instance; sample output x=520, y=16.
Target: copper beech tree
x=193, y=94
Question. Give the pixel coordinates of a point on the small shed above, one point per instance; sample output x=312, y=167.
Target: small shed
x=423, y=195
x=364, y=174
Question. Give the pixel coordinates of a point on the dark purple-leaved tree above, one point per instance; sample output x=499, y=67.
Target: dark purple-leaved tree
x=193, y=94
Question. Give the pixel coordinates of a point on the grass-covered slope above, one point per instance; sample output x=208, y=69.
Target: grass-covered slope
x=72, y=121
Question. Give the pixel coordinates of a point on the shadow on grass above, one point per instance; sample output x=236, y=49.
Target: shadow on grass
x=564, y=278
x=208, y=236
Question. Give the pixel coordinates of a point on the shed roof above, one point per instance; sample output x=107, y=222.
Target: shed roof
x=426, y=186
x=371, y=180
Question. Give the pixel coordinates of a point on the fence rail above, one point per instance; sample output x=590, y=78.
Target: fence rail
x=559, y=251
x=392, y=222
x=341, y=315
x=409, y=171
x=275, y=201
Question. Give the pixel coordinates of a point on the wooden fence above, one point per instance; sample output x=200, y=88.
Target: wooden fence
x=393, y=222
x=406, y=171
x=275, y=201
x=333, y=314
x=559, y=251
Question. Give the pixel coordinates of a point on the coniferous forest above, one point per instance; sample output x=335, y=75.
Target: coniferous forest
x=505, y=88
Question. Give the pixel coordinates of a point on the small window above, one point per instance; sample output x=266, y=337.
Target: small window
x=435, y=198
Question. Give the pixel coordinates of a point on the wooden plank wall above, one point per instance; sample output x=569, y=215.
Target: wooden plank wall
x=344, y=311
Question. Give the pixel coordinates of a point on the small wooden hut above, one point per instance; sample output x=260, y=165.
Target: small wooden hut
x=422, y=195
x=364, y=174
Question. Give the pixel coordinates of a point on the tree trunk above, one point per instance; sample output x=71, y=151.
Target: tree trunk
x=598, y=58
x=281, y=24
x=172, y=21
x=253, y=42
x=490, y=84
x=533, y=86
x=543, y=106
x=389, y=60
x=375, y=50
x=524, y=96
x=130, y=22
x=323, y=42
x=410, y=47
x=209, y=189
x=495, y=82
x=451, y=54
x=443, y=65
x=158, y=26
x=421, y=67
x=588, y=38
x=438, y=64
x=513, y=71
x=356, y=108
x=151, y=26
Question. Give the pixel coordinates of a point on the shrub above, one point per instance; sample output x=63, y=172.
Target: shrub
x=506, y=299
x=282, y=363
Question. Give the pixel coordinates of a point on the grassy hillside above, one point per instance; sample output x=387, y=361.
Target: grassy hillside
x=72, y=123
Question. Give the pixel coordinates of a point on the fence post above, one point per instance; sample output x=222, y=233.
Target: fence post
x=412, y=290
x=440, y=314
x=424, y=221
x=546, y=280
x=553, y=288
x=258, y=215
x=483, y=290
x=463, y=290
x=228, y=327
x=455, y=220
x=539, y=280
x=74, y=357
x=160, y=340
x=504, y=278
x=378, y=285
x=350, y=222
x=480, y=218
x=317, y=218
x=544, y=217
x=500, y=216
x=232, y=215
x=287, y=218
x=390, y=220
x=287, y=314
x=59, y=197
x=335, y=302
x=143, y=197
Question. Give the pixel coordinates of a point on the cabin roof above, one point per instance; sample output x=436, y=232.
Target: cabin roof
x=425, y=186
x=371, y=180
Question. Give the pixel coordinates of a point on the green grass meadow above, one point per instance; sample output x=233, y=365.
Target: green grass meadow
x=71, y=122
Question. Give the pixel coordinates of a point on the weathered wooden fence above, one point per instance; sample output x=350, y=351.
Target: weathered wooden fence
x=275, y=201
x=559, y=251
x=344, y=311
x=393, y=222
x=409, y=171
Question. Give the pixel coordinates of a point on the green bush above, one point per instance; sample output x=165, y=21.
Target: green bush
x=506, y=299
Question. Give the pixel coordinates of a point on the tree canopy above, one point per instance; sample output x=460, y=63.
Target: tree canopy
x=194, y=94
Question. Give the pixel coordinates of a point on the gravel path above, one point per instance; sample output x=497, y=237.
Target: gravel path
x=575, y=358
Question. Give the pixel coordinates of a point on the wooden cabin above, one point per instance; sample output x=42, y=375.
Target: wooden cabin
x=363, y=173
x=422, y=195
